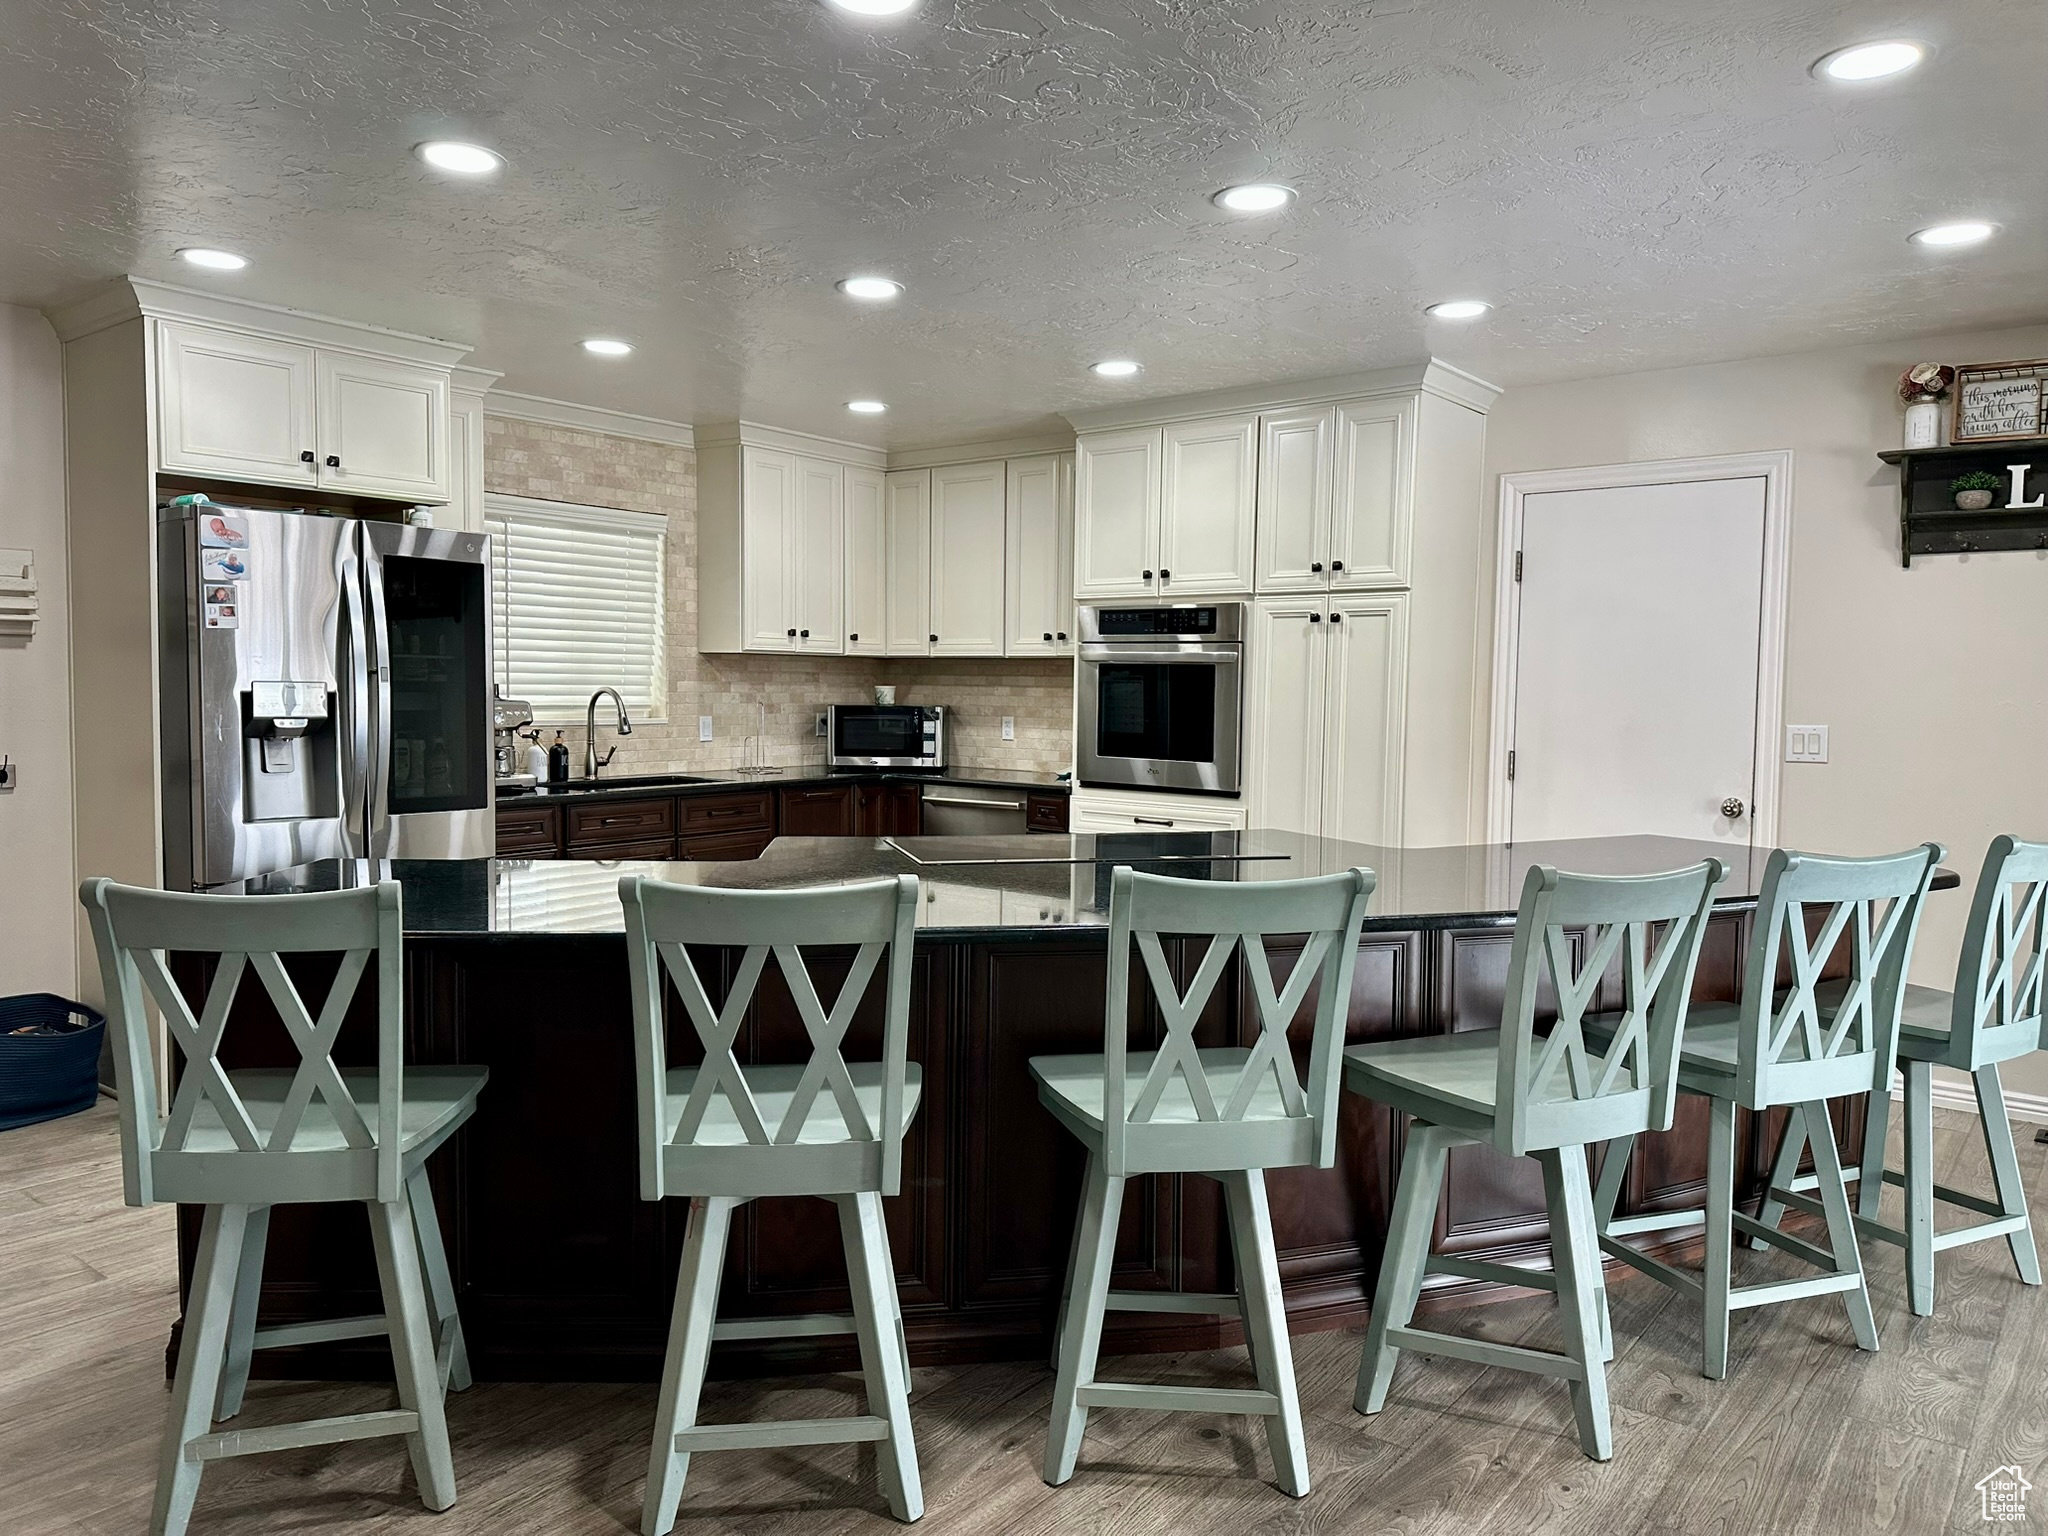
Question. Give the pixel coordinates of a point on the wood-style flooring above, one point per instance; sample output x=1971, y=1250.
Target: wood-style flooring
x=1806, y=1435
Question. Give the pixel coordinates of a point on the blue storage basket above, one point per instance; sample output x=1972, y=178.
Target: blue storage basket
x=43, y=1077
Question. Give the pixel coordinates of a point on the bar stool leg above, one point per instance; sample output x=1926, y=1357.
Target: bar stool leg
x=1574, y=1259
x=412, y=1349
x=1877, y=1114
x=2005, y=1170
x=1920, y=1187
x=1265, y=1320
x=201, y=1353
x=1784, y=1169
x=1081, y=1338
x=873, y=1283
x=1834, y=1196
x=1405, y=1261
x=1578, y=1188
x=1059, y=1330
x=689, y=1347
x=234, y=1378
x=440, y=1285
x=1720, y=1213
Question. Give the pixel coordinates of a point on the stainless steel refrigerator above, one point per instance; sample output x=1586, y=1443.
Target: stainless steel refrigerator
x=325, y=691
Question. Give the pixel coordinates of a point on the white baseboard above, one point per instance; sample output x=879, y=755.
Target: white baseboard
x=1951, y=1094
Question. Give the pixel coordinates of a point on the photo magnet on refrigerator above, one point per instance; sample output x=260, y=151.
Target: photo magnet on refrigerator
x=222, y=565
x=217, y=532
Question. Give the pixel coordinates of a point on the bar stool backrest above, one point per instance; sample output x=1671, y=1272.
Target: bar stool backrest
x=134, y=930
x=879, y=916
x=1328, y=910
x=1998, y=974
x=1791, y=1049
x=1551, y=1090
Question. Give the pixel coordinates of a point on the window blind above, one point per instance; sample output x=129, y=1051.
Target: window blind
x=578, y=596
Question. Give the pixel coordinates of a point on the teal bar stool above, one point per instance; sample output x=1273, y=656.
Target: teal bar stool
x=1993, y=1015
x=239, y=1141
x=1227, y=1112
x=724, y=1134
x=1540, y=1096
x=1795, y=1047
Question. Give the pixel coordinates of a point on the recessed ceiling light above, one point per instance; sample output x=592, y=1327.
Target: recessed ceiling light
x=217, y=261
x=873, y=7
x=1963, y=232
x=1114, y=368
x=870, y=287
x=1871, y=61
x=866, y=407
x=1254, y=197
x=1458, y=309
x=463, y=159
x=604, y=346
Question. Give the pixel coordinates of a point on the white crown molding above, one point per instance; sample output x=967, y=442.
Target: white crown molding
x=130, y=297
x=468, y=379
x=754, y=434
x=1429, y=376
x=992, y=448
x=588, y=418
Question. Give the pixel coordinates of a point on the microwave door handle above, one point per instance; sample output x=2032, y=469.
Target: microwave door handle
x=377, y=795
x=355, y=705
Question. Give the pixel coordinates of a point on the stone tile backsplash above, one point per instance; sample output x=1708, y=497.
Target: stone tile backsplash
x=778, y=697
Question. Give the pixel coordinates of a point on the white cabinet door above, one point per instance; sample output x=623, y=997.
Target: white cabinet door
x=867, y=563
x=1294, y=500
x=909, y=497
x=233, y=406
x=1039, y=565
x=1116, y=513
x=1285, y=707
x=820, y=556
x=768, y=539
x=967, y=559
x=1372, y=509
x=1207, y=506
x=383, y=427
x=1365, y=731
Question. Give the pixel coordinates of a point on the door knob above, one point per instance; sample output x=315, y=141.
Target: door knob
x=1731, y=807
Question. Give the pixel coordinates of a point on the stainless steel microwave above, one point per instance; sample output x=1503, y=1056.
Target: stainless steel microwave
x=1160, y=697
x=887, y=735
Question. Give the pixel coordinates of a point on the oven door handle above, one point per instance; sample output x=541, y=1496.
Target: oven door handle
x=1211, y=656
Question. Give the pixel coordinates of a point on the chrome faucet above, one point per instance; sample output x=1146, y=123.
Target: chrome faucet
x=591, y=761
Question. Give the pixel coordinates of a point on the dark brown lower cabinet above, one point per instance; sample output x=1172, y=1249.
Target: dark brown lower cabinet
x=565, y=1273
x=816, y=810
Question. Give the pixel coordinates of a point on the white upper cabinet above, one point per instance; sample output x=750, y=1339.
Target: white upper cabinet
x=383, y=427
x=1372, y=507
x=967, y=558
x=1295, y=463
x=1288, y=658
x=239, y=407
x=768, y=534
x=1039, y=567
x=1208, y=490
x=1116, y=513
x=819, y=558
x=908, y=493
x=1365, y=725
x=867, y=562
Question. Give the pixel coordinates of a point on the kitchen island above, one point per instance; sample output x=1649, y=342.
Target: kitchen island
x=565, y=1273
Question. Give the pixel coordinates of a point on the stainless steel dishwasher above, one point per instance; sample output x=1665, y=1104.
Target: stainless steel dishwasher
x=968, y=810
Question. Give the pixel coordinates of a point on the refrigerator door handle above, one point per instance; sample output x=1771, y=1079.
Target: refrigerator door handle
x=378, y=677
x=355, y=787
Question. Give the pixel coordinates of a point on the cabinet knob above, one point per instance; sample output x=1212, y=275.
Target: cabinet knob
x=1336, y=618
x=305, y=456
x=1315, y=618
x=1336, y=565
x=853, y=637
x=1048, y=634
x=935, y=639
x=1063, y=634
x=334, y=461
x=792, y=634
x=805, y=633
x=1315, y=565
x=1148, y=575
x=1164, y=573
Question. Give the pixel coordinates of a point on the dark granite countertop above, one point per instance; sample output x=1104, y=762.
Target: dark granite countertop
x=1008, y=887
x=720, y=780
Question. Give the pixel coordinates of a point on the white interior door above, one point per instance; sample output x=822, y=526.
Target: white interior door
x=1636, y=665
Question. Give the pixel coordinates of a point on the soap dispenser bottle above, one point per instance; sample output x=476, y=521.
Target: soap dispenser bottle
x=536, y=757
x=558, y=761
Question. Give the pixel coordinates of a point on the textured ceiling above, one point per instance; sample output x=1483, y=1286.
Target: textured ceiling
x=1636, y=182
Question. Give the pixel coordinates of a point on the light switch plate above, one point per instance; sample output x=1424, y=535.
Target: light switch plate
x=1009, y=727
x=821, y=724
x=1806, y=743
x=703, y=727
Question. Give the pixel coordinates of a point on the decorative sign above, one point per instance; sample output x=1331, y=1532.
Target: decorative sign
x=1999, y=401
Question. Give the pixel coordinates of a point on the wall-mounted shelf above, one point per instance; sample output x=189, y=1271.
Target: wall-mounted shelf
x=1931, y=524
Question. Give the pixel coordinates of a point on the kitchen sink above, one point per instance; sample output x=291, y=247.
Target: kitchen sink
x=623, y=781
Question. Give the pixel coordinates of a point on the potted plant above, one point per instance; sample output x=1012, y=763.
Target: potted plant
x=1973, y=491
x=1922, y=388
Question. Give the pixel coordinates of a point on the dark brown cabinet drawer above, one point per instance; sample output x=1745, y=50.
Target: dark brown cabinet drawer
x=653, y=848
x=726, y=846
x=606, y=822
x=826, y=811
x=530, y=831
x=753, y=811
x=1045, y=813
